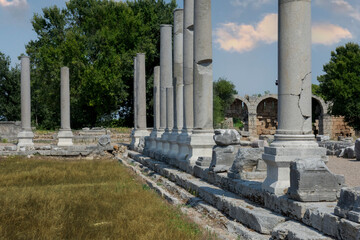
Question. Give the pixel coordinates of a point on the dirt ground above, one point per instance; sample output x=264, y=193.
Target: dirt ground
x=350, y=168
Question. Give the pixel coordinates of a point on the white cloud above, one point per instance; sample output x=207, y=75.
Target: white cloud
x=340, y=7
x=329, y=34
x=13, y=3
x=246, y=3
x=243, y=38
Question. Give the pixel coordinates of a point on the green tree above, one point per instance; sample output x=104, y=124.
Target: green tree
x=340, y=85
x=224, y=92
x=97, y=40
x=9, y=90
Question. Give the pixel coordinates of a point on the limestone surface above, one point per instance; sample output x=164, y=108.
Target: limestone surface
x=357, y=149
x=349, y=204
x=104, y=140
x=246, y=160
x=312, y=181
x=223, y=158
x=226, y=137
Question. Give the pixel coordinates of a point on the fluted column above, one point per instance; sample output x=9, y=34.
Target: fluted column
x=25, y=137
x=294, y=138
x=65, y=136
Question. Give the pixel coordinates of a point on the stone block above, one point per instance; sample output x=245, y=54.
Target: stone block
x=259, y=144
x=104, y=140
x=357, y=149
x=349, y=204
x=349, y=152
x=246, y=160
x=226, y=137
x=322, y=138
x=312, y=181
x=292, y=230
x=223, y=158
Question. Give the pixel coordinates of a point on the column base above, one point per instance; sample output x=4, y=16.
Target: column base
x=138, y=139
x=279, y=156
x=151, y=143
x=65, y=138
x=201, y=145
x=25, y=139
x=174, y=148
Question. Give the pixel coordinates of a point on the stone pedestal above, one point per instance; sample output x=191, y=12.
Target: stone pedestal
x=140, y=130
x=166, y=137
x=65, y=135
x=294, y=138
x=26, y=136
x=202, y=142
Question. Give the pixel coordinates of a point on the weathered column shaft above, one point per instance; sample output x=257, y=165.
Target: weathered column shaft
x=178, y=69
x=294, y=62
x=169, y=108
x=156, y=94
x=203, y=75
x=165, y=69
x=25, y=94
x=65, y=98
x=188, y=58
x=141, y=91
x=135, y=97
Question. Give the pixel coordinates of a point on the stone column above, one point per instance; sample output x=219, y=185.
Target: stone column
x=178, y=84
x=25, y=137
x=135, y=95
x=155, y=134
x=294, y=138
x=202, y=138
x=166, y=75
x=140, y=104
x=188, y=94
x=65, y=136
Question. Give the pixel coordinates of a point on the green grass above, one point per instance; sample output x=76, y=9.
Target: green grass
x=77, y=199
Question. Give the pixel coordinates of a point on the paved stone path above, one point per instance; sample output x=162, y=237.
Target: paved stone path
x=350, y=168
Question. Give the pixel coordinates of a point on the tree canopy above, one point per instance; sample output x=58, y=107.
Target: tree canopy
x=340, y=85
x=224, y=91
x=9, y=90
x=97, y=40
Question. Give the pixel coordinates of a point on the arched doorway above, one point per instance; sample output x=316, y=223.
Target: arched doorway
x=319, y=109
x=266, y=112
x=239, y=112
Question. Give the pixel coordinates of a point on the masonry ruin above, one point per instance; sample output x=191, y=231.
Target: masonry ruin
x=279, y=191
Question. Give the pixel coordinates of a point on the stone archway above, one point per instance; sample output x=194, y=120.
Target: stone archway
x=319, y=115
x=266, y=114
x=239, y=109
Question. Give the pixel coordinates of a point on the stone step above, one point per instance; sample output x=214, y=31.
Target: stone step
x=244, y=211
x=292, y=230
x=157, y=182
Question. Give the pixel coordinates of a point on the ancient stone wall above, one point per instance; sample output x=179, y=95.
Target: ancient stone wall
x=340, y=128
x=9, y=130
x=266, y=122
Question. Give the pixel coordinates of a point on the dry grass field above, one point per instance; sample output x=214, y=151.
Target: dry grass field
x=79, y=199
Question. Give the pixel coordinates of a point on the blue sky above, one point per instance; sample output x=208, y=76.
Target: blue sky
x=244, y=36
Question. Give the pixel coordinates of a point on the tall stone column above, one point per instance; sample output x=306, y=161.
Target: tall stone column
x=202, y=138
x=140, y=104
x=135, y=95
x=65, y=136
x=166, y=74
x=155, y=134
x=188, y=76
x=178, y=83
x=294, y=138
x=25, y=137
